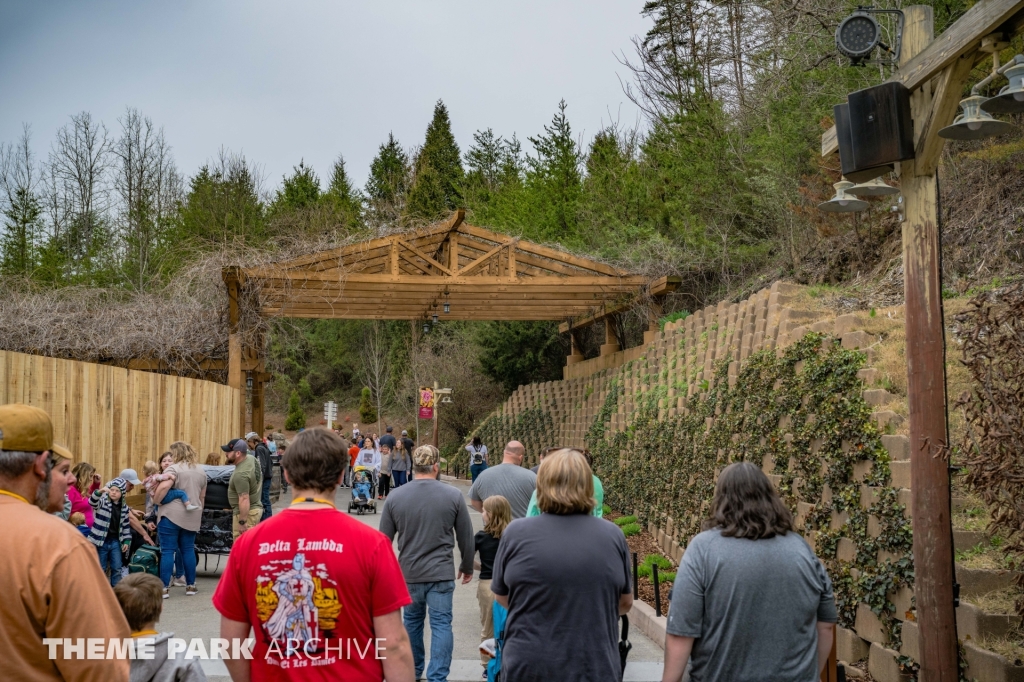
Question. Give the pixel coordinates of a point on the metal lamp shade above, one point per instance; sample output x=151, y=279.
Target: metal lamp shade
x=1010, y=99
x=974, y=124
x=875, y=187
x=842, y=202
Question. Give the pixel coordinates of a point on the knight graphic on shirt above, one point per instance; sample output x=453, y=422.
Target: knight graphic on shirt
x=295, y=606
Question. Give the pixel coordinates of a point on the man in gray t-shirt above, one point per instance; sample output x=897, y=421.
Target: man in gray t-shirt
x=751, y=609
x=509, y=479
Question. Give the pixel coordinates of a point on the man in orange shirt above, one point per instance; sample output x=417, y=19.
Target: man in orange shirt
x=49, y=573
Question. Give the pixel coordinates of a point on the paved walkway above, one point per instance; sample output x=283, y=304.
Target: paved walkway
x=196, y=617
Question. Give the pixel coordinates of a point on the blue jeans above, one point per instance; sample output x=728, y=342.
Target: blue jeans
x=398, y=478
x=265, y=497
x=174, y=537
x=475, y=469
x=435, y=600
x=110, y=557
x=172, y=495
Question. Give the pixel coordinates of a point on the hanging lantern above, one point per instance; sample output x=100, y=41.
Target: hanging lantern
x=974, y=124
x=875, y=187
x=435, y=318
x=426, y=327
x=447, y=307
x=842, y=202
x=1010, y=99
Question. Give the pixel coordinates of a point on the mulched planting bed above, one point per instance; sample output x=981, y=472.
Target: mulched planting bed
x=643, y=544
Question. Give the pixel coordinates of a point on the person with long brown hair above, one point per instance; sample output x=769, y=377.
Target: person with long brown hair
x=750, y=599
x=564, y=578
x=87, y=481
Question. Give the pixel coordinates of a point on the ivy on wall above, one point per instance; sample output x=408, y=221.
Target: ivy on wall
x=533, y=427
x=801, y=416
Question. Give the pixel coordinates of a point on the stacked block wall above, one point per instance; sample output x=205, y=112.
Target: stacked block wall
x=682, y=357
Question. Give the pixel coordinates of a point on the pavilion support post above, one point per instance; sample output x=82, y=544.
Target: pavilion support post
x=611, y=343
x=257, y=402
x=231, y=278
x=929, y=467
x=575, y=355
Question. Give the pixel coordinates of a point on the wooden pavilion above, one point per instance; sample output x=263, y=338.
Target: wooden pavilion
x=450, y=270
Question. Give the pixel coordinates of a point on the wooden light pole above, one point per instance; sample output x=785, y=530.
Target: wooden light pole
x=935, y=71
x=926, y=391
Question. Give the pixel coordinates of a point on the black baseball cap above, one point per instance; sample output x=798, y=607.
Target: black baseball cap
x=231, y=445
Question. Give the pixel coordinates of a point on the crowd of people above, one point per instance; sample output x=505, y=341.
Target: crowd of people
x=327, y=598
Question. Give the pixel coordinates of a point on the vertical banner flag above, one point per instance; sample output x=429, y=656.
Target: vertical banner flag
x=426, y=402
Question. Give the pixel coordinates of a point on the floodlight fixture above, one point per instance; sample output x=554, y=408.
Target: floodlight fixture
x=859, y=34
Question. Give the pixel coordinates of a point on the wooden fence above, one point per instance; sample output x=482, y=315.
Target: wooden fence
x=115, y=418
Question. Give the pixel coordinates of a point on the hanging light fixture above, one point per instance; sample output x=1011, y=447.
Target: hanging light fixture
x=435, y=318
x=841, y=202
x=426, y=327
x=875, y=187
x=974, y=124
x=1010, y=99
x=447, y=307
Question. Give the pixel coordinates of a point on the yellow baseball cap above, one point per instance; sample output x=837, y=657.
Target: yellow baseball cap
x=62, y=451
x=25, y=428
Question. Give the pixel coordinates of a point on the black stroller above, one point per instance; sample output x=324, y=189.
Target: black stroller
x=364, y=490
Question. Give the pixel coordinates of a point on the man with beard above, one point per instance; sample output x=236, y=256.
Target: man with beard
x=49, y=573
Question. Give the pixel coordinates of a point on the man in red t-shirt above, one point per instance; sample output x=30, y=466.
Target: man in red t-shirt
x=322, y=592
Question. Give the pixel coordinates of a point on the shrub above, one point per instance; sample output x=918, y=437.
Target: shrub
x=624, y=520
x=667, y=577
x=660, y=561
x=412, y=434
x=296, y=418
x=606, y=510
x=631, y=529
x=644, y=570
x=367, y=412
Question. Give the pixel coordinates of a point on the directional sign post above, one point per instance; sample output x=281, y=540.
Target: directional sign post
x=330, y=413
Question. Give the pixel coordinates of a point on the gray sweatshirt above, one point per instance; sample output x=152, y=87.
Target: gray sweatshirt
x=160, y=668
x=429, y=516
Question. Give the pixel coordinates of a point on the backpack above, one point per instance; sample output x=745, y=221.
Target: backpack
x=145, y=560
x=478, y=458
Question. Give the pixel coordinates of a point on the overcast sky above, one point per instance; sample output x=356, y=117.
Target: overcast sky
x=281, y=81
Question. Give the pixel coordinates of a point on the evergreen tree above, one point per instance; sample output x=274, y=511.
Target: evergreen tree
x=19, y=244
x=343, y=196
x=296, y=418
x=554, y=180
x=20, y=207
x=388, y=182
x=298, y=192
x=222, y=206
x=437, y=185
x=367, y=412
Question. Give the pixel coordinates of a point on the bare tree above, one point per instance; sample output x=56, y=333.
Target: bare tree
x=375, y=353
x=77, y=195
x=148, y=185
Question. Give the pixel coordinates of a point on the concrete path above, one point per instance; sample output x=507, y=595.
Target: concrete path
x=195, y=616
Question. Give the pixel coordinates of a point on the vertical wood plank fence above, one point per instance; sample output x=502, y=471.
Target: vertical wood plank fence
x=115, y=418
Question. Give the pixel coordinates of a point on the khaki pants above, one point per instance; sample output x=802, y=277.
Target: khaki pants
x=486, y=599
x=255, y=514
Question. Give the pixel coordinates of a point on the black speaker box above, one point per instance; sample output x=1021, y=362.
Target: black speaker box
x=874, y=130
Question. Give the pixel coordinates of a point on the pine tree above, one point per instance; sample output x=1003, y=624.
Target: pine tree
x=19, y=244
x=296, y=418
x=367, y=412
x=342, y=195
x=437, y=186
x=298, y=192
x=388, y=182
x=555, y=180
